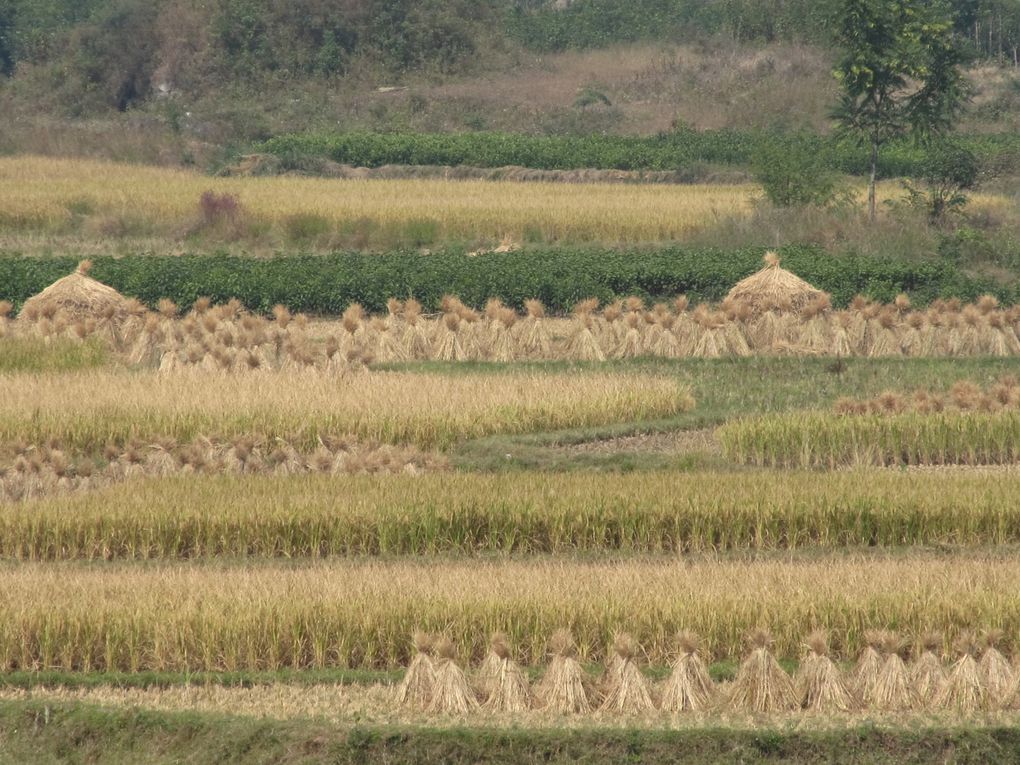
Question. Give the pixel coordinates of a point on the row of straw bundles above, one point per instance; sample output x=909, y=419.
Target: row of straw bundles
x=45, y=471
x=979, y=678
x=227, y=338
x=964, y=396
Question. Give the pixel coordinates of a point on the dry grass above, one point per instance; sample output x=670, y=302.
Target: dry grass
x=37, y=192
x=90, y=410
x=520, y=512
x=356, y=613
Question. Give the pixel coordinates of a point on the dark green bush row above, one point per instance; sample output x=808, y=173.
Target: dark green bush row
x=667, y=151
x=559, y=278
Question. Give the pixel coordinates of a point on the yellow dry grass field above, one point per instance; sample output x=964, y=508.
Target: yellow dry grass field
x=360, y=613
x=43, y=193
x=90, y=410
x=373, y=705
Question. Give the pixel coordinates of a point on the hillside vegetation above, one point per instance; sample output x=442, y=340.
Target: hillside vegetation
x=177, y=80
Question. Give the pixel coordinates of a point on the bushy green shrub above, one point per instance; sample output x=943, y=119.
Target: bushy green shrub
x=947, y=170
x=794, y=174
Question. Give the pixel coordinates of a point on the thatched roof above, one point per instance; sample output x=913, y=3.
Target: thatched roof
x=774, y=289
x=76, y=296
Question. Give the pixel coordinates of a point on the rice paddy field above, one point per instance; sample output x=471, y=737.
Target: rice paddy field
x=46, y=194
x=759, y=531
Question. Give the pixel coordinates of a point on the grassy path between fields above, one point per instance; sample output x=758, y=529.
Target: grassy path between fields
x=34, y=732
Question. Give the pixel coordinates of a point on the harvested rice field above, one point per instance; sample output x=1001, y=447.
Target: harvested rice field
x=761, y=528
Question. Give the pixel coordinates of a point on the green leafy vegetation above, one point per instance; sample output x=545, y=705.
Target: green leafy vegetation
x=327, y=284
x=668, y=151
x=792, y=174
x=948, y=172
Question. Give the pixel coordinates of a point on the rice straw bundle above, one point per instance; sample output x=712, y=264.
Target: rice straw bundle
x=533, y=337
x=821, y=686
x=927, y=675
x=816, y=333
x=563, y=687
x=689, y=688
x=712, y=342
x=891, y=690
x=451, y=692
x=415, y=340
x=501, y=340
x=963, y=690
x=417, y=687
x=774, y=288
x=996, y=674
x=583, y=344
x=761, y=684
x=77, y=296
x=911, y=339
x=687, y=332
x=662, y=341
x=631, y=346
x=628, y=691
x=447, y=345
x=869, y=663
x=736, y=342
x=504, y=684
x=842, y=344
x=884, y=341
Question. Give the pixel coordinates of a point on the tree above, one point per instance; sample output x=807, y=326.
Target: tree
x=900, y=73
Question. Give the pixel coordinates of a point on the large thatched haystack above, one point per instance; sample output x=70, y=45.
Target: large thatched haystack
x=76, y=296
x=774, y=289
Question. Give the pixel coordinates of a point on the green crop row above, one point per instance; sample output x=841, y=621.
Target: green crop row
x=327, y=284
x=667, y=151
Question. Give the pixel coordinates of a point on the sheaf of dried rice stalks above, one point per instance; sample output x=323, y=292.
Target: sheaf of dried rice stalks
x=629, y=691
x=418, y=686
x=690, y=687
x=820, y=684
x=563, y=687
x=452, y=694
x=504, y=686
x=762, y=685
